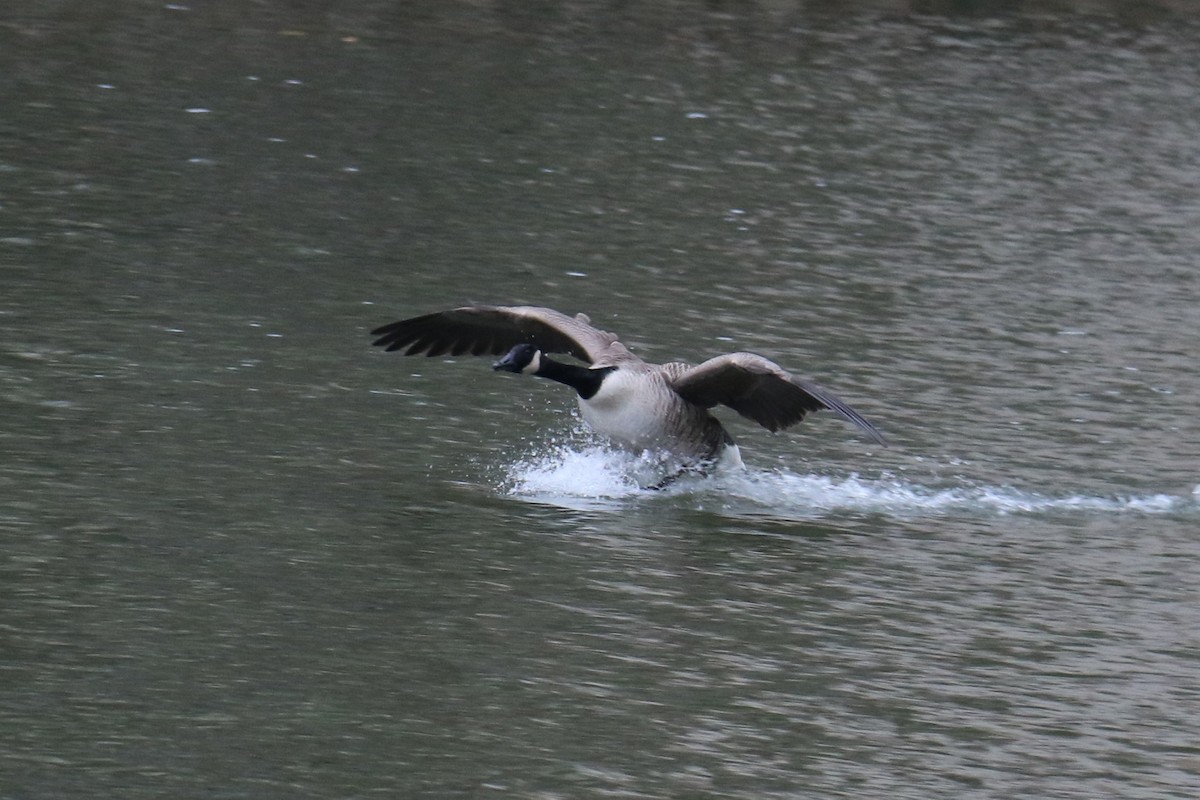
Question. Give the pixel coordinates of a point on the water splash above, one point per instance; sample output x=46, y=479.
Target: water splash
x=892, y=496
x=591, y=476
x=592, y=472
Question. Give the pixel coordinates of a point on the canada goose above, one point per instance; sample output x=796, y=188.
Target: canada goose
x=639, y=405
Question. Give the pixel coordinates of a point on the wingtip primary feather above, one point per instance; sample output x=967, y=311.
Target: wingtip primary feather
x=848, y=413
x=838, y=406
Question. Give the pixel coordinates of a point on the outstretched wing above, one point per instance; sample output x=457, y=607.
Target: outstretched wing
x=761, y=390
x=491, y=330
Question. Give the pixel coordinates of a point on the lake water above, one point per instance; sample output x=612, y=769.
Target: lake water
x=246, y=555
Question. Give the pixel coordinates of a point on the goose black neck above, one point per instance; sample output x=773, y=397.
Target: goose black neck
x=584, y=380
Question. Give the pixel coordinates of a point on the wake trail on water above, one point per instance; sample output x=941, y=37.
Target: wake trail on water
x=593, y=476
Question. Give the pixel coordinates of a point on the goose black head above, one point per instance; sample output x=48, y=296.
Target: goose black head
x=524, y=358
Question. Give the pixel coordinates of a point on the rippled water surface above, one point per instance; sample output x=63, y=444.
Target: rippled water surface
x=247, y=555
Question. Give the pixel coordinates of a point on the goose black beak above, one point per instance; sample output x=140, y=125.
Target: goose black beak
x=506, y=364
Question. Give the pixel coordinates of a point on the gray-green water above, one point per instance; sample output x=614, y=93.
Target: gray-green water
x=245, y=555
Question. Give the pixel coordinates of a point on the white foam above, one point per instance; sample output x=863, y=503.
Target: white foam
x=592, y=471
x=589, y=475
x=887, y=495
